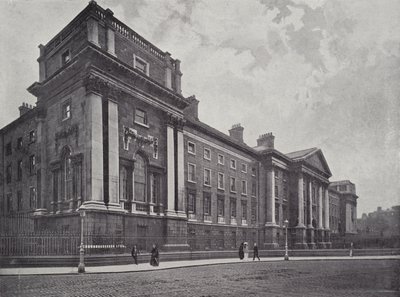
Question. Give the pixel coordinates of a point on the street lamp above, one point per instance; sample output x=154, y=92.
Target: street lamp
x=81, y=266
x=286, y=223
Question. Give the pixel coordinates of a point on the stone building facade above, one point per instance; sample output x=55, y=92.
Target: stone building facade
x=112, y=135
x=343, y=214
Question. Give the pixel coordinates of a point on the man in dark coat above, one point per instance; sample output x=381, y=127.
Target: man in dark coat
x=255, y=252
x=134, y=254
x=241, y=252
x=155, y=257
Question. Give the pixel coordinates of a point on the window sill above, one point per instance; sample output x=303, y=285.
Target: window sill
x=208, y=186
x=221, y=189
x=244, y=194
x=143, y=125
x=191, y=181
x=190, y=153
x=65, y=119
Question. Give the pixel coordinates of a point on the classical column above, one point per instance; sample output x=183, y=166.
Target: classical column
x=320, y=219
x=113, y=154
x=326, y=209
x=170, y=170
x=270, y=220
x=94, y=151
x=310, y=214
x=300, y=196
x=180, y=174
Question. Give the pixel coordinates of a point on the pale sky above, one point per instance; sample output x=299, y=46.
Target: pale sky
x=316, y=73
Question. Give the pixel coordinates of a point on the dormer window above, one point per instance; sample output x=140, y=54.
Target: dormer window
x=141, y=65
x=65, y=57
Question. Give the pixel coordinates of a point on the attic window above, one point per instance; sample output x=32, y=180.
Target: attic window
x=65, y=57
x=140, y=65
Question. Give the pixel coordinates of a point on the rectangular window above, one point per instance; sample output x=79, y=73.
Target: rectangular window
x=9, y=174
x=32, y=136
x=233, y=207
x=155, y=148
x=19, y=200
x=253, y=171
x=277, y=218
x=233, y=184
x=276, y=191
x=191, y=172
x=32, y=164
x=140, y=117
x=253, y=188
x=207, y=177
x=233, y=164
x=342, y=188
x=66, y=111
x=19, y=143
x=207, y=154
x=221, y=181
x=191, y=148
x=8, y=149
x=65, y=57
x=221, y=159
x=244, y=168
x=244, y=187
x=19, y=170
x=9, y=203
x=207, y=204
x=191, y=202
x=244, y=210
x=140, y=65
x=220, y=206
x=253, y=211
x=32, y=197
x=155, y=188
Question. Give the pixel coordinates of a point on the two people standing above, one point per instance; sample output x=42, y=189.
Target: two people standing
x=244, y=251
x=154, y=257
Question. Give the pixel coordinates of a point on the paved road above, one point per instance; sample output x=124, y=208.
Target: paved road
x=293, y=278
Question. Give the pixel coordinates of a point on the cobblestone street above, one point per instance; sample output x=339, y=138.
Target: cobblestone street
x=293, y=278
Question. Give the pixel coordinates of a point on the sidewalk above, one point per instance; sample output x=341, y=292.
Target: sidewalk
x=169, y=265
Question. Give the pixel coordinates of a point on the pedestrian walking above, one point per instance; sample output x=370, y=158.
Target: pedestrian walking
x=255, y=252
x=246, y=251
x=351, y=249
x=241, y=253
x=135, y=253
x=155, y=257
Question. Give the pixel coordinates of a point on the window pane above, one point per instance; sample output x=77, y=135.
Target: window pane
x=140, y=179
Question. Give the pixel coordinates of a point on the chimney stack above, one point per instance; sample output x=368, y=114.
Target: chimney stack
x=193, y=109
x=266, y=140
x=24, y=108
x=236, y=132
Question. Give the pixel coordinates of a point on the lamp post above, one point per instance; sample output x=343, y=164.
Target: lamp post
x=81, y=266
x=286, y=222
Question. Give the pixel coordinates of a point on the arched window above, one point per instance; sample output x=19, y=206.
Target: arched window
x=140, y=179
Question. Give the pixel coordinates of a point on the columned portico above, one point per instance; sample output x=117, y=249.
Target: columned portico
x=94, y=152
x=310, y=227
x=170, y=171
x=270, y=224
x=176, y=228
x=300, y=228
x=181, y=205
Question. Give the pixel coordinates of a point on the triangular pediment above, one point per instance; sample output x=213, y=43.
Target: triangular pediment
x=317, y=160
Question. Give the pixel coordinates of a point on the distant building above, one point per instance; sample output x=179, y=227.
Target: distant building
x=343, y=210
x=112, y=135
x=382, y=223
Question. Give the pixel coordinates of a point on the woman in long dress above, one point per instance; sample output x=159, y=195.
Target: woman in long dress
x=155, y=257
x=241, y=253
